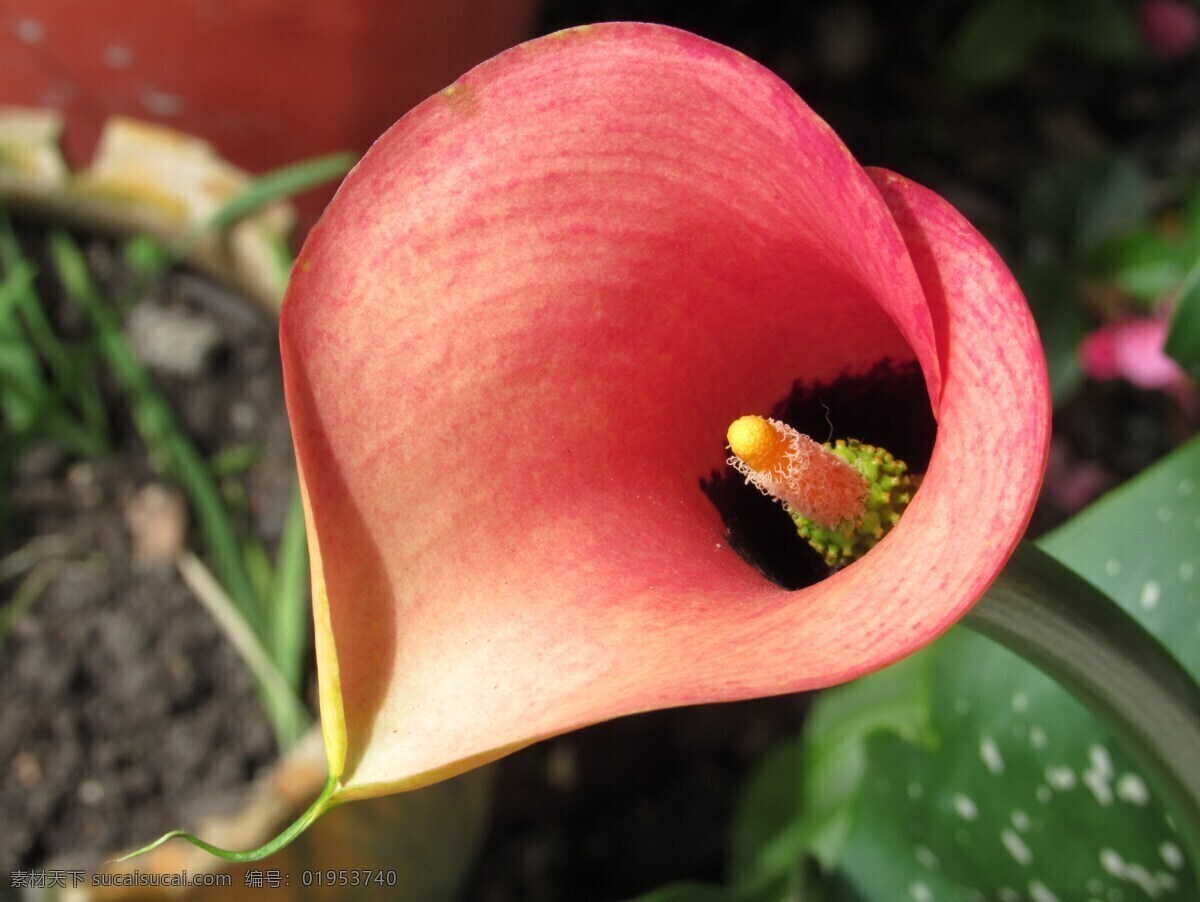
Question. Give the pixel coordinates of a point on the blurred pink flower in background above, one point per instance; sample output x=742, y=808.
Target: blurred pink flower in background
x=1170, y=28
x=1131, y=349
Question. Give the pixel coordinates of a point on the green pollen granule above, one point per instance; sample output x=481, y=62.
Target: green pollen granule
x=890, y=488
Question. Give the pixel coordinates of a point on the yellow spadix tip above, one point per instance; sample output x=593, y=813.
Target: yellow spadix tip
x=758, y=443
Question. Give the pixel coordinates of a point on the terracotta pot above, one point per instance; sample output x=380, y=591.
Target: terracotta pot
x=267, y=82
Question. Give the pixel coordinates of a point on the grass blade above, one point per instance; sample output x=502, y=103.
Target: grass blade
x=71, y=374
x=170, y=448
x=290, y=610
x=152, y=259
x=27, y=593
x=279, y=184
x=288, y=716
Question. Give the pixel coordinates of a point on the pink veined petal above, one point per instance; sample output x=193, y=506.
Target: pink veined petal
x=994, y=419
x=511, y=349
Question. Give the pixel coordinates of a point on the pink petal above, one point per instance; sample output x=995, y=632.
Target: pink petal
x=512, y=347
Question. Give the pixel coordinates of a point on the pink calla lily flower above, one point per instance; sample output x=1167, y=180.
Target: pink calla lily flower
x=512, y=346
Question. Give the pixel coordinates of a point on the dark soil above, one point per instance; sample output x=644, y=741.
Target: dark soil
x=126, y=709
x=623, y=807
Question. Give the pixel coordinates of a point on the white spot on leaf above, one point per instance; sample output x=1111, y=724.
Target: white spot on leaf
x=1099, y=774
x=1099, y=787
x=1112, y=862
x=1132, y=789
x=1112, y=566
x=1020, y=820
x=1172, y=856
x=1151, y=591
x=990, y=753
x=928, y=860
x=920, y=892
x=1016, y=847
x=1039, y=892
x=1060, y=778
x=965, y=807
x=1143, y=878
x=1116, y=866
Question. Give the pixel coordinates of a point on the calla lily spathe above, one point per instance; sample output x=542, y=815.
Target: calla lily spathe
x=512, y=346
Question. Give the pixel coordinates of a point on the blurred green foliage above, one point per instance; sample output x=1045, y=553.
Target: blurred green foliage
x=1099, y=241
x=998, y=39
x=1183, y=341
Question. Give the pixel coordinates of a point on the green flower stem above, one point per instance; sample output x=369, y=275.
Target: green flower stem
x=325, y=801
x=1079, y=636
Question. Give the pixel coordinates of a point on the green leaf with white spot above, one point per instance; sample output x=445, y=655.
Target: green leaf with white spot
x=1022, y=792
x=1011, y=789
x=1141, y=545
x=824, y=778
